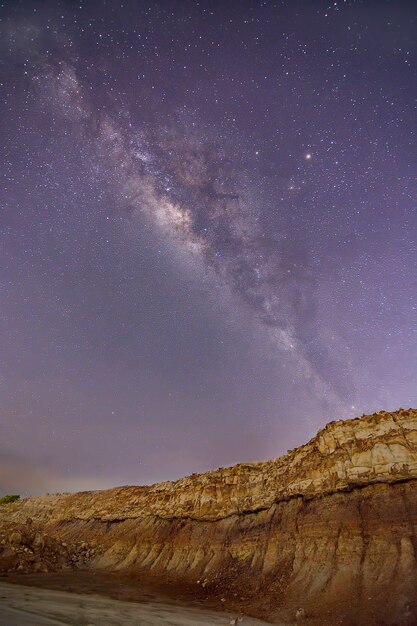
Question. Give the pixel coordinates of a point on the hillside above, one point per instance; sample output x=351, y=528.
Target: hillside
x=330, y=528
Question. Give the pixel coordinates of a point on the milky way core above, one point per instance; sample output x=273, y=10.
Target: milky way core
x=207, y=232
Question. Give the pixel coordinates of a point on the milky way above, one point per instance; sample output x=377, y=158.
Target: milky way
x=207, y=243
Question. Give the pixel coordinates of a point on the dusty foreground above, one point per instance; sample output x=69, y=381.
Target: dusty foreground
x=30, y=606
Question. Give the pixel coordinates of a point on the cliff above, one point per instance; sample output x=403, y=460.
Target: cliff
x=329, y=528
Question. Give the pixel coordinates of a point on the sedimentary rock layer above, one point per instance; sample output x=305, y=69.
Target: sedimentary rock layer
x=331, y=527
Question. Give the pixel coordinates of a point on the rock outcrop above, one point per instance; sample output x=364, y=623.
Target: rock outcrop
x=327, y=532
x=26, y=548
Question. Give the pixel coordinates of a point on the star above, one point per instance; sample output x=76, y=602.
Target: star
x=187, y=243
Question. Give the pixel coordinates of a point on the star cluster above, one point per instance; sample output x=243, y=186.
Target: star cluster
x=207, y=231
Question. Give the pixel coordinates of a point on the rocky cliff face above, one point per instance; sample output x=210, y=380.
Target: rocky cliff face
x=330, y=528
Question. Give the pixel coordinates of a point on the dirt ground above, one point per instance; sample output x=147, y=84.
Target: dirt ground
x=86, y=599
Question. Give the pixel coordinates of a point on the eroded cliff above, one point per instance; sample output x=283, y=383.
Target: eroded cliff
x=330, y=528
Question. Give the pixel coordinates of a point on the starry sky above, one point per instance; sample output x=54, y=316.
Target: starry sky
x=207, y=232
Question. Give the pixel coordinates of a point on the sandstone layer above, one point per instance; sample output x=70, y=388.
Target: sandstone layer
x=330, y=528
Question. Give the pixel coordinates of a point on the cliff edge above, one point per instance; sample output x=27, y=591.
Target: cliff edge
x=329, y=528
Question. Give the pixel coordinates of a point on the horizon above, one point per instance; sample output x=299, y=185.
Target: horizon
x=206, y=233
x=210, y=470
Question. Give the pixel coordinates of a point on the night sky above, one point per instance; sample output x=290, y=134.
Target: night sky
x=206, y=232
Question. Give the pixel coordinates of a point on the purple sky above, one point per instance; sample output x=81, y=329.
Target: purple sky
x=206, y=232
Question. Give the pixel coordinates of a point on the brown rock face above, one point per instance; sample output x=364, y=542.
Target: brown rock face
x=24, y=548
x=327, y=532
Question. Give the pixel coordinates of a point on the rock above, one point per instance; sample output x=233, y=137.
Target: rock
x=7, y=552
x=41, y=568
x=300, y=616
x=38, y=541
x=332, y=520
x=15, y=537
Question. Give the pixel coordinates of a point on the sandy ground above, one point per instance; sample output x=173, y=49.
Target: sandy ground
x=30, y=606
